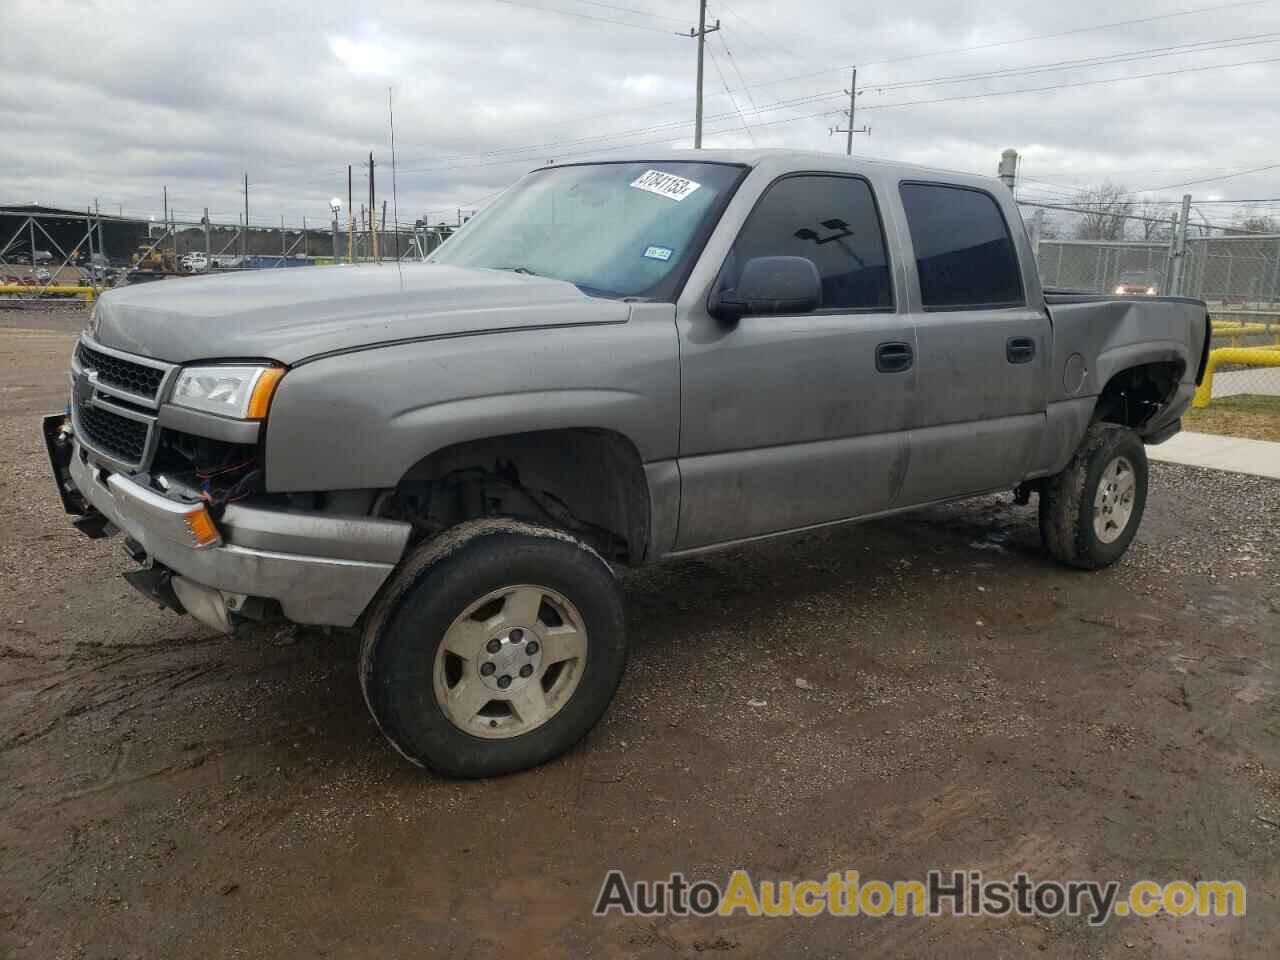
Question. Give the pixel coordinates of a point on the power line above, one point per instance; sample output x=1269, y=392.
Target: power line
x=720, y=73
x=1067, y=33
x=598, y=140
x=840, y=69
x=795, y=101
x=641, y=13
x=1226, y=176
x=733, y=62
x=548, y=146
x=582, y=16
x=1081, y=83
x=771, y=40
x=1150, y=53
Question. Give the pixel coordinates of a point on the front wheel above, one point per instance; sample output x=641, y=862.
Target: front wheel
x=495, y=647
x=1090, y=512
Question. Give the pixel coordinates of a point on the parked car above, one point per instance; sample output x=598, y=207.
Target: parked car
x=43, y=275
x=615, y=363
x=1137, y=283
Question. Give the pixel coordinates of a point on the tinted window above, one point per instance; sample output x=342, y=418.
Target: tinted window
x=832, y=221
x=964, y=253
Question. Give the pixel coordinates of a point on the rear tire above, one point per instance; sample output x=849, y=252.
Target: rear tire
x=1090, y=512
x=495, y=647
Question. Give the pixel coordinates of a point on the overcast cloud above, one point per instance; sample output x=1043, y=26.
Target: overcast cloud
x=115, y=99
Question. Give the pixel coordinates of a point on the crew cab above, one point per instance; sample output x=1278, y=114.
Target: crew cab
x=615, y=363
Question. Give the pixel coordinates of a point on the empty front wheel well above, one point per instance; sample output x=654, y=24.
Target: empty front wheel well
x=590, y=482
x=1135, y=395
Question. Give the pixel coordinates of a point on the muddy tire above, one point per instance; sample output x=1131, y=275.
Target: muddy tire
x=1090, y=511
x=495, y=647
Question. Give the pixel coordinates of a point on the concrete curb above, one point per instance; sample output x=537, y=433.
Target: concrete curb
x=1260, y=458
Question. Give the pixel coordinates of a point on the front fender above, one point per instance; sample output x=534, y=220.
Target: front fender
x=360, y=420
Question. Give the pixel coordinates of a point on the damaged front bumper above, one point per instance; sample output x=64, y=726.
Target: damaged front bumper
x=320, y=568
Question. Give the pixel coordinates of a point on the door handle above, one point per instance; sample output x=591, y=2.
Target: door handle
x=1020, y=349
x=894, y=357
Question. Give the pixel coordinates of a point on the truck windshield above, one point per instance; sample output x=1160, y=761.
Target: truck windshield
x=613, y=229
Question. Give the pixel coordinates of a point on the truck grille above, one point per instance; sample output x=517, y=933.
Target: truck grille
x=112, y=434
x=115, y=404
x=135, y=378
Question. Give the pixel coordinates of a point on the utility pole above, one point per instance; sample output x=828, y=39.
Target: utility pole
x=244, y=237
x=1180, y=248
x=853, y=97
x=373, y=237
x=382, y=232
x=304, y=237
x=93, y=267
x=701, y=35
x=205, y=220
x=166, y=206
x=351, y=221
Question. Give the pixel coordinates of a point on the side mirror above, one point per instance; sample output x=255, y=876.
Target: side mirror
x=771, y=285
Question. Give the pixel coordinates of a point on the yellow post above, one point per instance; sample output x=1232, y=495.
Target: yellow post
x=1244, y=356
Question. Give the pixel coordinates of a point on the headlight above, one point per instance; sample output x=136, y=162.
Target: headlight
x=1151, y=291
x=1119, y=291
x=241, y=392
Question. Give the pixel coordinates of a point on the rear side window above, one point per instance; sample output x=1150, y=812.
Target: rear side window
x=964, y=253
x=833, y=222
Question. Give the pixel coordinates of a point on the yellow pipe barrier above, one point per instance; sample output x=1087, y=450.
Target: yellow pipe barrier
x=1239, y=329
x=1244, y=356
x=86, y=292
x=1236, y=338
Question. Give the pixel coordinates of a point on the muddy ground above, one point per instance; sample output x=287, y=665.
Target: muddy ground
x=165, y=792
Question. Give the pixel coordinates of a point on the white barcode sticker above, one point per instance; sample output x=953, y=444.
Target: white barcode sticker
x=665, y=184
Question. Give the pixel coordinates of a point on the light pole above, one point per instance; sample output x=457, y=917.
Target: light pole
x=335, y=206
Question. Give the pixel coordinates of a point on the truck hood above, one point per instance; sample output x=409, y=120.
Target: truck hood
x=292, y=314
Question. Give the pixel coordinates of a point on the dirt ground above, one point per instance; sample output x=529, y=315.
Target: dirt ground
x=965, y=704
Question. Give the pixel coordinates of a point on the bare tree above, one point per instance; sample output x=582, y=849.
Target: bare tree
x=1250, y=220
x=1157, y=223
x=1109, y=206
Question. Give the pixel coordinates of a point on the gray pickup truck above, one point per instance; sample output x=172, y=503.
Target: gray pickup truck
x=614, y=363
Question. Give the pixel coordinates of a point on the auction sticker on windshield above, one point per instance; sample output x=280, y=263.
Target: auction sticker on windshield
x=665, y=184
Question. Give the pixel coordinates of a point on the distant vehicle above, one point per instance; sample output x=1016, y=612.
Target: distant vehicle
x=194, y=262
x=44, y=256
x=43, y=275
x=1137, y=283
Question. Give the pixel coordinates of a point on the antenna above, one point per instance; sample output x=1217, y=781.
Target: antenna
x=395, y=205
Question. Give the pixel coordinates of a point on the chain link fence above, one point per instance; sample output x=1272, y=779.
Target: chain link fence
x=1231, y=272
x=1238, y=276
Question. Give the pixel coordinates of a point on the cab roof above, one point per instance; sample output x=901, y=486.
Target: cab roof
x=781, y=160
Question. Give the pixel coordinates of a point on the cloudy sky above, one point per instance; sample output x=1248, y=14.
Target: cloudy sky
x=113, y=100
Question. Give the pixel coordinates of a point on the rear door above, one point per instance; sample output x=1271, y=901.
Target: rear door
x=983, y=346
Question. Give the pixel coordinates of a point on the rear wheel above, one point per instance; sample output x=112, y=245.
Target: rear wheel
x=1090, y=512
x=496, y=647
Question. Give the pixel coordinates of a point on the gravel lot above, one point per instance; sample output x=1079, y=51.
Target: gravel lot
x=924, y=692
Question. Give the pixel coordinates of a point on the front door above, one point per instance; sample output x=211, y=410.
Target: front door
x=793, y=420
